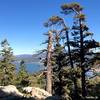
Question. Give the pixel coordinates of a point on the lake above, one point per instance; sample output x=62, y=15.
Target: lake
x=32, y=67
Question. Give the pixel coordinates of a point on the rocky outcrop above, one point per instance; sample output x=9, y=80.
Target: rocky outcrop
x=40, y=93
x=8, y=90
x=27, y=89
x=36, y=92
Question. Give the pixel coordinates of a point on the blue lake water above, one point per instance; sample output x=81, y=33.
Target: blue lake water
x=32, y=67
x=35, y=67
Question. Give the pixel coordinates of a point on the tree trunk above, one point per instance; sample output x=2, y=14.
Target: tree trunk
x=49, y=66
x=72, y=66
x=82, y=61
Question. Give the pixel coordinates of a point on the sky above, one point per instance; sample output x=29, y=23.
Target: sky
x=21, y=21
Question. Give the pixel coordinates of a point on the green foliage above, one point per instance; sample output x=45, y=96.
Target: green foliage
x=7, y=68
x=60, y=73
x=93, y=86
x=22, y=75
x=38, y=80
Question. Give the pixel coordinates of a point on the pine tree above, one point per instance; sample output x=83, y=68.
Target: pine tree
x=22, y=76
x=59, y=57
x=81, y=44
x=6, y=64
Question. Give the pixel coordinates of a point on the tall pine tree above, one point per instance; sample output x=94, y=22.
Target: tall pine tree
x=6, y=64
x=59, y=64
x=83, y=54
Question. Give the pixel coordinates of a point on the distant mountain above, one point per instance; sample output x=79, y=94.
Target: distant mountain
x=28, y=58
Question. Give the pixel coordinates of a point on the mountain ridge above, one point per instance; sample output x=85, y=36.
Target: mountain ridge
x=29, y=58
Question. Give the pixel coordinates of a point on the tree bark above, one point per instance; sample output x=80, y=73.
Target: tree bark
x=49, y=66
